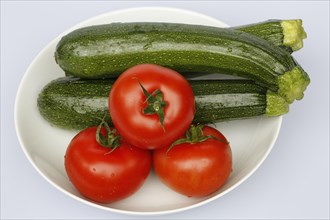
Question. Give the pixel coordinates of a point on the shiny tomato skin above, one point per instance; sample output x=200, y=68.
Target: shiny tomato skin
x=127, y=101
x=195, y=170
x=102, y=176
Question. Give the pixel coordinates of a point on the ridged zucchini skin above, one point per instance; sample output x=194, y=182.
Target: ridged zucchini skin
x=74, y=104
x=270, y=30
x=287, y=34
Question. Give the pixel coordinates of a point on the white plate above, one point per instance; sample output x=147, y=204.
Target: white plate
x=251, y=140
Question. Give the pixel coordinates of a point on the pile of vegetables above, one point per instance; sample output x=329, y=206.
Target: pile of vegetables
x=130, y=90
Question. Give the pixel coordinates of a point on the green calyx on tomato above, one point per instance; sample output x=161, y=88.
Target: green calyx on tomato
x=108, y=140
x=156, y=104
x=194, y=135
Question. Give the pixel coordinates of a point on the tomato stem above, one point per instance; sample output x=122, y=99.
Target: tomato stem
x=110, y=139
x=194, y=135
x=156, y=104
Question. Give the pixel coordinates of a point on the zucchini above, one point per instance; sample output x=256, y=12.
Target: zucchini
x=288, y=34
x=74, y=103
x=105, y=51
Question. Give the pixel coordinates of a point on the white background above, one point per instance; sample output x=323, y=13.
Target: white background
x=292, y=183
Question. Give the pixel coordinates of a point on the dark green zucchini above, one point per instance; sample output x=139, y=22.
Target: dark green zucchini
x=105, y=51
x=288, y=34
x=73, y=103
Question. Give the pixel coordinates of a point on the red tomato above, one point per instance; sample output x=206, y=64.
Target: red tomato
x=102, y=176
x=195, y=169
x=170, y=93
